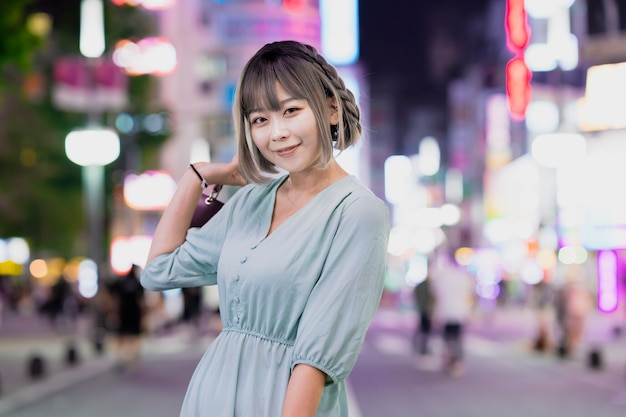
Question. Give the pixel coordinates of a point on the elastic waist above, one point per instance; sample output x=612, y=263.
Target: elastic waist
x=257, y=335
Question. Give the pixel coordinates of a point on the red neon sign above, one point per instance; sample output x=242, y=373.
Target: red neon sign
x=518, y=75
x=518, y=88
x=516, y=25
x=295, y=5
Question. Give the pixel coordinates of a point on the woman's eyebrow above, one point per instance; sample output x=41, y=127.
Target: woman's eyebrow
x=282, y=102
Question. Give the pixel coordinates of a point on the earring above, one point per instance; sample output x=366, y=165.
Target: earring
x=334, y=132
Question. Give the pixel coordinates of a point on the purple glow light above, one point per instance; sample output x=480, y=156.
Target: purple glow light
x=607, y=281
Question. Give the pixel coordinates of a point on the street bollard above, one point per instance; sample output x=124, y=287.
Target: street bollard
x=71, y=354
x=36, y=367
x=99, y=335
x=594, y=358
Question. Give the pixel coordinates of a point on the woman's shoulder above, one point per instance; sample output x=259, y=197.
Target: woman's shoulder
x=359, y=202
x=358, y=194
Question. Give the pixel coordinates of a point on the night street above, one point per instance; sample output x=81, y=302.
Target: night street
x=379, y=168
x=503, y=378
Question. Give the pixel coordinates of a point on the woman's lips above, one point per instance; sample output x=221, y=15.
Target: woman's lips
x=286, y=151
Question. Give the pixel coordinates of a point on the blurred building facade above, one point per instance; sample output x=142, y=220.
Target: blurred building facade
x=524, y=110
x=213, y=40
x=548, y=199
x=518, y=218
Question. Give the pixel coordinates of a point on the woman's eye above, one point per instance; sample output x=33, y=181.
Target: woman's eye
x=291, y=110
x=257, y=120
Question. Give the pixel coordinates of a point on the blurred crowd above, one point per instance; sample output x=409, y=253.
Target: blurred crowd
x=118, y=316
x=446, y=302
x=122, y=312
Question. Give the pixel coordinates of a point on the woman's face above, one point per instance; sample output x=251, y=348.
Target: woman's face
x=288, y=137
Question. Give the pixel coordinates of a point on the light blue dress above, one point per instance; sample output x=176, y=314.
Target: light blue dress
x=305, y=294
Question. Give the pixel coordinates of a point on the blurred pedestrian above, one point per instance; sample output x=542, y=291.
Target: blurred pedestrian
x=543, y=301
x=424, y=302
x=104, y=317
x=298, y=254
x=129, y=306
x=453, y=290
x=573, y=305
x=192, y=308
x=62, y=305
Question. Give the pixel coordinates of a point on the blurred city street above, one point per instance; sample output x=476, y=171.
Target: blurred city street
x=492, y=130
x=168, y=359
x=504, y=376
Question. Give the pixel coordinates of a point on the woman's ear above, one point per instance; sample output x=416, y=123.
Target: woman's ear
x=333, y=112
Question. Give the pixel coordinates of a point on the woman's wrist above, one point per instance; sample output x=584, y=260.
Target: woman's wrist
x=215, y=173
x=203, y=182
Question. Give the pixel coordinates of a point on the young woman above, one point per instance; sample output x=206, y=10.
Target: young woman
x=298, y=254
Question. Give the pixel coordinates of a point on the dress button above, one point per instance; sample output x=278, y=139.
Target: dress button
x=237, y=278
x=236, y=319
x=236, y=299
x=243, y=261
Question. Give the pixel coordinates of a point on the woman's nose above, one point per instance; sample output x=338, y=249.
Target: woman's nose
x=278, y=131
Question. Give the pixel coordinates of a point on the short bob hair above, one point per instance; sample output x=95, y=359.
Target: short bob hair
x=303, y=73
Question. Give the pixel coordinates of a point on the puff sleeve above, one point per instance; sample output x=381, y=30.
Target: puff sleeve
x=344, y=299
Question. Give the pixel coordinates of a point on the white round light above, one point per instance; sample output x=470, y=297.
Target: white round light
x=531, y=273
x=88, y=278
x=450, y=214
x=92, y=146
x=4, y=251
x=542, y=117
x=17, y=250
x=540, y=57
x=429, y=156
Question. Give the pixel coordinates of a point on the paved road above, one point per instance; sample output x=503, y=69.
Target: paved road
x=155, y=389
x=504, y=378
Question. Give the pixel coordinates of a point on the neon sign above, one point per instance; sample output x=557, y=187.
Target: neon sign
x=607, y=281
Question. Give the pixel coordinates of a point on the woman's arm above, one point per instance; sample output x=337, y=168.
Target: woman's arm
x=172, y=228
x=304, y=391
x=340, y=306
